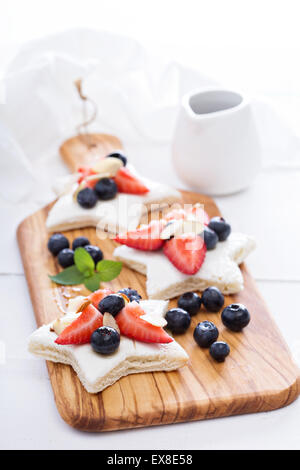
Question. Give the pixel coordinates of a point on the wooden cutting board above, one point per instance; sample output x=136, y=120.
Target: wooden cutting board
x=259, y=374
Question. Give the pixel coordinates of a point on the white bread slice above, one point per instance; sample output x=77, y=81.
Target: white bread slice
x=95, y=371
x=120, y=214
x=220, y=268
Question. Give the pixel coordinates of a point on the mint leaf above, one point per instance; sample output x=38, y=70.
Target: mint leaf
x=68, y=277
x=108, y=269
x=84, y=262
x=92, y=283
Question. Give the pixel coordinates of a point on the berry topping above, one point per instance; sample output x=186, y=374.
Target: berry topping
x=128, y=183
x=221, y=227
x=146, y=238
x=235, y=317
x=105, y=340
x=66, y=257
x=175, y=214
x=119, y=155
x=199, y=213
x=85, y=172
x=87, y=198
x=186, y=253
x=178, y=320
x=134, y=327
x=80, y=241
x=112, y=304
x=95, y=252
x=57, y=242
x=106, y=189
x=81, y=329
x=205, y=334
x=210, y=238
x=132, y=294
x=212, y=299
x=191, y=302
x=98, y=295
x=219, y=351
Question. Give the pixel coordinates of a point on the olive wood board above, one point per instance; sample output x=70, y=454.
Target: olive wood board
x=258, y=375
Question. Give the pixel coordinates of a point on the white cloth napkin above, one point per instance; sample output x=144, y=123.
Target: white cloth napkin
x=137, y=96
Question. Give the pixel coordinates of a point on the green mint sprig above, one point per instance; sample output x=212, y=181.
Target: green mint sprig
x=85, y=272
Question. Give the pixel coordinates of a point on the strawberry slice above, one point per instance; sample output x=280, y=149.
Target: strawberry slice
x=134, y=327
x=186, y=253
x=199, y=213
x=84, y=172
x=145, y=238
x=128, y=183
x=98, y=295
x=175, y=214
x=81, y=329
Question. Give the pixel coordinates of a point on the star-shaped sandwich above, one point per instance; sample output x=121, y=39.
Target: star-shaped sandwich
x=186, y=252
x=142, y=344
x=110, y=195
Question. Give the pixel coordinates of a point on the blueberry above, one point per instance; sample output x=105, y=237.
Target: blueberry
x=105, y=340
x=106, y=189
x=95, y=252
x=66, y=257
x=118, y=155
x=132, y=294
x=219, y=351
x=178, y=320
x=235, y=317
x=212, y=299
x=205, y=334
x=190, y=301
x=87, y=198
x=210, y=238
x=112, y=304
x=57, y=242
x=221, y=227
x=79, y=241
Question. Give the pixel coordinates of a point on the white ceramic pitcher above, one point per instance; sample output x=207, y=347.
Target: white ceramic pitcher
x=216, y=146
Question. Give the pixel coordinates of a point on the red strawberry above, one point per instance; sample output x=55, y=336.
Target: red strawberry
x=81, y=329
x=187, y=253
x=175, y=214
x=134, y=327
x=84, y=172
x=181, y=213
x=144, y=238
x=98, y=295
x=128, y=183
x=199, y=214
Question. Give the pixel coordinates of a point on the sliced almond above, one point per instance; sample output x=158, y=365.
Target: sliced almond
x=76, y=302
x=61, y=323
x=191, y=225
x=179, y=227
x=154, y=320
x=108, y=166
x=83, y=306
x=79, y=188
x=99, y=176
x=170, y=229
x=108, y=320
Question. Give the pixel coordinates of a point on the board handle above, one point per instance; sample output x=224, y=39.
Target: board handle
x=86, y=149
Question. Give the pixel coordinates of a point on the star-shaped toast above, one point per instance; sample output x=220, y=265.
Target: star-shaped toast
x=95, y=371
x=121, y=212
x=220, y=268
